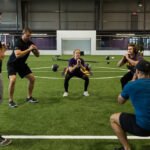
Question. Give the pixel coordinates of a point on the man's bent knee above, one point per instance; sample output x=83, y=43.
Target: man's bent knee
x=115, y=117
x=31, y=78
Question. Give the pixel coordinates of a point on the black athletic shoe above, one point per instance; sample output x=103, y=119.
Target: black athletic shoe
x=32, y=100
x=121, y=148
x=12, y=104
x=4, y=142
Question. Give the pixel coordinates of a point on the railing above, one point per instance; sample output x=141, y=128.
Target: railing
x=103, y=42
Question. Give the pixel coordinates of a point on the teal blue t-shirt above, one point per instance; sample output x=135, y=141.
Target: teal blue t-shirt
x=138, y=92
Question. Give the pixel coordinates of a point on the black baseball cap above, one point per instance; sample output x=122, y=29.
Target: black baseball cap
x=143, y=66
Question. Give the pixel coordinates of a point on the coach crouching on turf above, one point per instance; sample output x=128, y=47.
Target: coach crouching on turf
x=138, y=92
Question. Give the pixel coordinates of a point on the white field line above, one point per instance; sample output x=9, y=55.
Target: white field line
x=92, y=67
x=96, y=78
x=42, y=67
x=119, y=69
x=62, y=71
x=92, y=71
x=112, y=68
x=102, y=78
x=70, y=137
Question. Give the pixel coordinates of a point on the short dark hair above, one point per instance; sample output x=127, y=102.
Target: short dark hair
x=25, y=30
x=144, y=67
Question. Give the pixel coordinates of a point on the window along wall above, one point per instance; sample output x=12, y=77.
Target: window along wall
x=103, y=42
x=113, y=42
x=10, y=15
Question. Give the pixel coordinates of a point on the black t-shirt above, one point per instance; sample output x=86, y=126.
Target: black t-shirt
x=73, y=62
x=20, y=45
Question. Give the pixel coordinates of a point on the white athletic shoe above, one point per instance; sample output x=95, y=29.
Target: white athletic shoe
x=65, y=94
x=86, y=93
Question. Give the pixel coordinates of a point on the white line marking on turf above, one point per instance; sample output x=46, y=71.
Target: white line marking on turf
x=101, y=78
x=41, y=68
x=92, y=67
x=111, y=68
x=92, y=71
x=96, y=78
x=65, y=137
x=53, y=78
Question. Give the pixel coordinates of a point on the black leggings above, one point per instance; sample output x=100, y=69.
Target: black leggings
x=126, y=78
x=76, y=74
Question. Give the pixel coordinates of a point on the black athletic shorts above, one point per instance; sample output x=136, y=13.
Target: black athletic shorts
x=128, y=124
x=22, y=70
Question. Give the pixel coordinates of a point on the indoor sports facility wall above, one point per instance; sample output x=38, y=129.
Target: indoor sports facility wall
x=105, y=17
x=65, y=41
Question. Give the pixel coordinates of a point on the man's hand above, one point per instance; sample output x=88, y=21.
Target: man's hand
x=32, y=47
x=34, y=50
x=20, y=53
x=127, y=55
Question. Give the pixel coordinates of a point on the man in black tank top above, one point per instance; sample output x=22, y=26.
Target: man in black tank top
x=17, y=64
